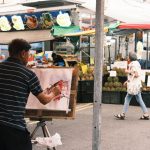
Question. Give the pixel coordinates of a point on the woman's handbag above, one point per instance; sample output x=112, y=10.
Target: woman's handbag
x=134, y=80
x=133, y=88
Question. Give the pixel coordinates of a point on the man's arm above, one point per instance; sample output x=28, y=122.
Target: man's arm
x=45, y=98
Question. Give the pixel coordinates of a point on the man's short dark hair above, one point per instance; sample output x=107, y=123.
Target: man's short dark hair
x=18, y=45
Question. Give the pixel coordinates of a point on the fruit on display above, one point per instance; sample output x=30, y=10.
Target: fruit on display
x=113, y=84
x=87, y=73
x=144, y=86
x=105, y=71
x=120, y=72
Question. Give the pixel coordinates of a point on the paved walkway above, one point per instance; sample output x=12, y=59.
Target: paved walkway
x=129, y=134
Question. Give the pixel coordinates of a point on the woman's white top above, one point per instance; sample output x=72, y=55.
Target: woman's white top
x=135, y=66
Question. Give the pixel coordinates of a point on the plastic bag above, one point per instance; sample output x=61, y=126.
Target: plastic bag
x=52, y=141
x=133, y=88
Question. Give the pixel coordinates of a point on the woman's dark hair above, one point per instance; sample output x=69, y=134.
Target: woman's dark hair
x=18, y=45
x=132, y=56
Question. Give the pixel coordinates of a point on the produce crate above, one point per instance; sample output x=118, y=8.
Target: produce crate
x=122, y=79
x=146, y=98
x=79, y=86
x=105, y=78
x=133, y=101
x=111, y=97
x=86, y=86
x=85, y=97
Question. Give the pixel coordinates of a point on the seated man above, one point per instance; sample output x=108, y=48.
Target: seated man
x=58, y=60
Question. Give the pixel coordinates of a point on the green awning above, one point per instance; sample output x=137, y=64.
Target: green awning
x=60, y=31
x=113, y=26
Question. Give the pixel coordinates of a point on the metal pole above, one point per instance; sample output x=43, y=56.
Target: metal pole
x=109, y=58
x=147, y=49
x=126, y=46
x=115, y=47
x=119, y=44
x=99, y=50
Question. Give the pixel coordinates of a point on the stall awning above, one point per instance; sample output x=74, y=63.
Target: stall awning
x=61, y=31
x=89, y=32
x=31, y=36
x=133, y=26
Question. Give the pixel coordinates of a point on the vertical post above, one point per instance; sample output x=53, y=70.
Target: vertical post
x=115, y=47
x=89, y=49
x=119, y=44
x=126, y=46
x=96, y=139
x=135, y=43
x=109, y=57
x=147, y=50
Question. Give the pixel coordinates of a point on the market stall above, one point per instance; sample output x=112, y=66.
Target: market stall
x=37, y=25
x=113, y=73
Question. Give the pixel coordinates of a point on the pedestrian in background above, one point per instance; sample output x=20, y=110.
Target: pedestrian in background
x=134, y=85
x=16, y=82
x=58, y=60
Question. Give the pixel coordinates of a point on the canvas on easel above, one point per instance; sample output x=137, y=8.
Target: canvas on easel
x=63, y=106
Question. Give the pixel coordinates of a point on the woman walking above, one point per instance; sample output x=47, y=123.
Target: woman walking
x=133, y=87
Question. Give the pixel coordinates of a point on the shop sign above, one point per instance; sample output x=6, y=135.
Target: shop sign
x=34, y=21
x=63, y=19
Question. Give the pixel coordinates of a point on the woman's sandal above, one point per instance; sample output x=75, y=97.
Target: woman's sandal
x=144, y=117
x=120, y=116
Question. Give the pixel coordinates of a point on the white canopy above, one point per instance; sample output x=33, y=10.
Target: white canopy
x=90, y=4
x=128, y=11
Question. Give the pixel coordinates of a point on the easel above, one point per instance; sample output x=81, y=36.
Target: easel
x=47, y=115
x=45, y=130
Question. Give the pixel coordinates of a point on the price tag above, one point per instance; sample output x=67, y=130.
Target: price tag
x=113, y=73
